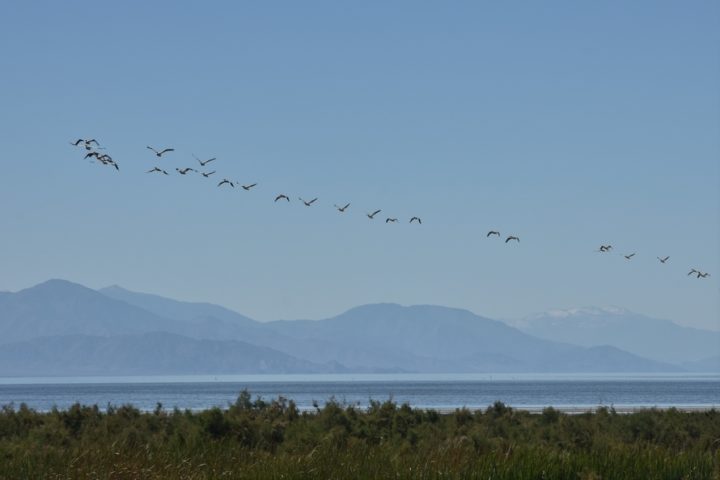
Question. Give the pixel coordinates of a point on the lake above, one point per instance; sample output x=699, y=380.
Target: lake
x=442, y=392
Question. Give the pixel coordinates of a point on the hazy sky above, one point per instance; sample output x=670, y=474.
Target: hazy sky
x=569, y=124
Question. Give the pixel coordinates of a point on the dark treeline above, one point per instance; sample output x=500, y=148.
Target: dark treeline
x=273, y=439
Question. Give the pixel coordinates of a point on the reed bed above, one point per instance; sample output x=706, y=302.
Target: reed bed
x=258, y=439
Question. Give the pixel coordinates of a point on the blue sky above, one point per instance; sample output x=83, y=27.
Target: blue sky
x=567, y=124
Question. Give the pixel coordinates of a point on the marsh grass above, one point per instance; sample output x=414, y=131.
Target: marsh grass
x=257, y=439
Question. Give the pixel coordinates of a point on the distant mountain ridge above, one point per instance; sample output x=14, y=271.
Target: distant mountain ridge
x=660, y=340
x=155, y=353
x=59, y=327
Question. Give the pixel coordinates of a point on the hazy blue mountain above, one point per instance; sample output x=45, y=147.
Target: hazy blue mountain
x=660, y=340
x=445, y=339
x=370, y=338
x=177, y=310
x=205, y=320
x=705, y=365
x=146, y=354
x=59, y=307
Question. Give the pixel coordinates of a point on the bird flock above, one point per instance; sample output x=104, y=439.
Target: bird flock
x=95, y=152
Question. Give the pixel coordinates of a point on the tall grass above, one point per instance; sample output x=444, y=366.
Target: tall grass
x=256, y=439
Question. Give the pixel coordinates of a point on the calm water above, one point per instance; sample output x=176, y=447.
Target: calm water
x=426, y=391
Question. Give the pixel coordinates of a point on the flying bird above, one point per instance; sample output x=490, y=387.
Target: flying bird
x=248, y=187
x=161, y=152
x=416, y=219
x=203, y=163
x=342, y=209
x=389, y=220
x=628, y=257
x=156, y=169
x=86, y=143
x=282, y=196
x=372, y=215
x=663, y=260
x=226, y=181
x=93, y=154
x=702, y=274
x=307, y=204
x=512, y=237
x=206, y=175
x=492, y=232
x=183, y=171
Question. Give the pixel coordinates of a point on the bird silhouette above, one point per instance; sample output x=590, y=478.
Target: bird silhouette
x=372, y=215
x=156, y=169
x=342, y=209
x=628, y=257
x=203, y=163
x=663, y=260
x=282, y=196
x=183, y=171
x=492, y=232
x=416, y=219
x=512, y=237
x=307, y=204
x=248, y=187
x=86, y=143
x=207, y=174
x=226, y=181
x=161, y=152
x=702, y=274
x=391, y=220
x=93, y=154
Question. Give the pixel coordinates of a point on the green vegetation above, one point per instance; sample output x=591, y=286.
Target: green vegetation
x=261, y=439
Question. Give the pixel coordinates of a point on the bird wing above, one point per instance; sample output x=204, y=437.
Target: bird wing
x=149, y=147
x=376, y=212
x=167, y=150
x=312, y=201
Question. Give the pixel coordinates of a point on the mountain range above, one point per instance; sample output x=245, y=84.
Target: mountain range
x=660, y=340
x=62, y=328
